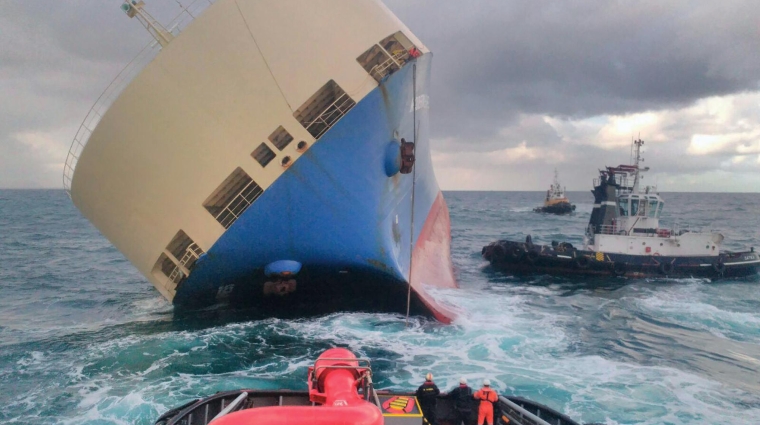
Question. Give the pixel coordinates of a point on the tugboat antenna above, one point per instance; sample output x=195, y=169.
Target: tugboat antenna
x=134, y=8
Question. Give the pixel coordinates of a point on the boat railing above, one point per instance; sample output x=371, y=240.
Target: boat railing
x=393, y=63
x=191, y=255
x=330, y=115
x=662, y=232
x=516, y=411
x=606, y=229
x=119, y=83
x=238, y=204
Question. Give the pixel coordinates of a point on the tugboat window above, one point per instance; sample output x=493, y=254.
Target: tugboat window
x=623, y=207
x=653, y=208
x=659, y=209
x=634, y=207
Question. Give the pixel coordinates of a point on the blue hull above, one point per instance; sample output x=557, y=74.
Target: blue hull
x=335, y=211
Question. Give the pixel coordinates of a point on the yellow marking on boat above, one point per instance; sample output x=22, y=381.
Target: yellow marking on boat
x=599, y=256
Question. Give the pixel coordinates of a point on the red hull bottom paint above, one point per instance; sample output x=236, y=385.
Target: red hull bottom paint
x=431, y=260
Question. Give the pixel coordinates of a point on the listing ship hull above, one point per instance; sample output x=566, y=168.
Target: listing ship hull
x=563, y=259
x=269, y=135
x=337, y=212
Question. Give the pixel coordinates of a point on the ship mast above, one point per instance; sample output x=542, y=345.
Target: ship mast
x=135, y=8
x=638, y=144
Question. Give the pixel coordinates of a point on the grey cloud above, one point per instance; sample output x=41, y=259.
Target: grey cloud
x=500, y=66
x=579, y=58
x=56, y=57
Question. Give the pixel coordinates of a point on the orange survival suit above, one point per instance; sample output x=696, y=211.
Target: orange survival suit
x=487, y=398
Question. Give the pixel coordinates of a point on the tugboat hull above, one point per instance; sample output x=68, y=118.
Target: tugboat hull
x=558, y=208
x=564, y=259
x=341, y=392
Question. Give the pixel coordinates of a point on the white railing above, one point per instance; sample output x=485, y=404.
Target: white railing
x=663, y=232
x=330, y=115
x=192, y=253
x=396, y=60
x=238, y=204
x=109, y=95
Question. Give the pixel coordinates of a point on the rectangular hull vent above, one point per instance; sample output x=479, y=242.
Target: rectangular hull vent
x=388, y=56
x=263, y=155
x=324, y=109
x=280, y=138
x=178, y=258
x=236, y=193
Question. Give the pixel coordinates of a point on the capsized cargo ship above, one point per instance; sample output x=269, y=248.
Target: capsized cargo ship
x=272, y=153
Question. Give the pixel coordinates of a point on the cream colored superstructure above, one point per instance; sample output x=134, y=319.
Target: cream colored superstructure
x=208, y=99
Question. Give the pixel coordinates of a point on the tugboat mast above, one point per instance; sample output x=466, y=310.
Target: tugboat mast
x=638, y=143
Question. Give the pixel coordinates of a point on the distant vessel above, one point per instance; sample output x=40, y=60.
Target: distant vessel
x=556, y=202
x=624, y=238
x=272, y=153
x=341, y=392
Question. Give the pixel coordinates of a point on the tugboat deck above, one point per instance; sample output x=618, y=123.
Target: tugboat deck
x=518, y=410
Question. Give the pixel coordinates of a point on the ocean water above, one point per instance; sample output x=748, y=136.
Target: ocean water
x=84, y=339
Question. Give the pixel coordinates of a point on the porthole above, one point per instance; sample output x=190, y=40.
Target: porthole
x=285, y=161
x=301, y=146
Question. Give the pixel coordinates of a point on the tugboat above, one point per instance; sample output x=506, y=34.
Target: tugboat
x=341, y=392
x=556, y=202
x=624, y=238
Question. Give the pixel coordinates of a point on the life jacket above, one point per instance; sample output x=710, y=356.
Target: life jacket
x=487, y=395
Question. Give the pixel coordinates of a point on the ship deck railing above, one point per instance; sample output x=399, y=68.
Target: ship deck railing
x=192, y=253
x=118, y=84
x=330, y=115
x=393, y=63
x=662, y=232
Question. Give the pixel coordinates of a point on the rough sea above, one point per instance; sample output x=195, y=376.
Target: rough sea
x=85, y=339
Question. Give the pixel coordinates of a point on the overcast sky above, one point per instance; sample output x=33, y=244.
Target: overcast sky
x=518, y=88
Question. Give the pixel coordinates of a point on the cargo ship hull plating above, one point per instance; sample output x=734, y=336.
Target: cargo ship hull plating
x=338, y=213
x=262, y=157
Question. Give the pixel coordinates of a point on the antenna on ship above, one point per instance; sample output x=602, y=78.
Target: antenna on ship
x=134, y=8
x=638, y=143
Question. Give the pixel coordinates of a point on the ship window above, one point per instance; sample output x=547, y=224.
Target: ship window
x=263, y=154
x=324, y=109
x=634, y=206
x=659, y=209
x=280, y=138
x=185, y=252
x=623, y=206
x=653, y=207
x=388, y=56
x=165, y=264
x=236, y=193
x=179, y=244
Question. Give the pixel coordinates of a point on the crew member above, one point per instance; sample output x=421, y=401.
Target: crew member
x=427, y=394
x=462, y=396
x=487, y=398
